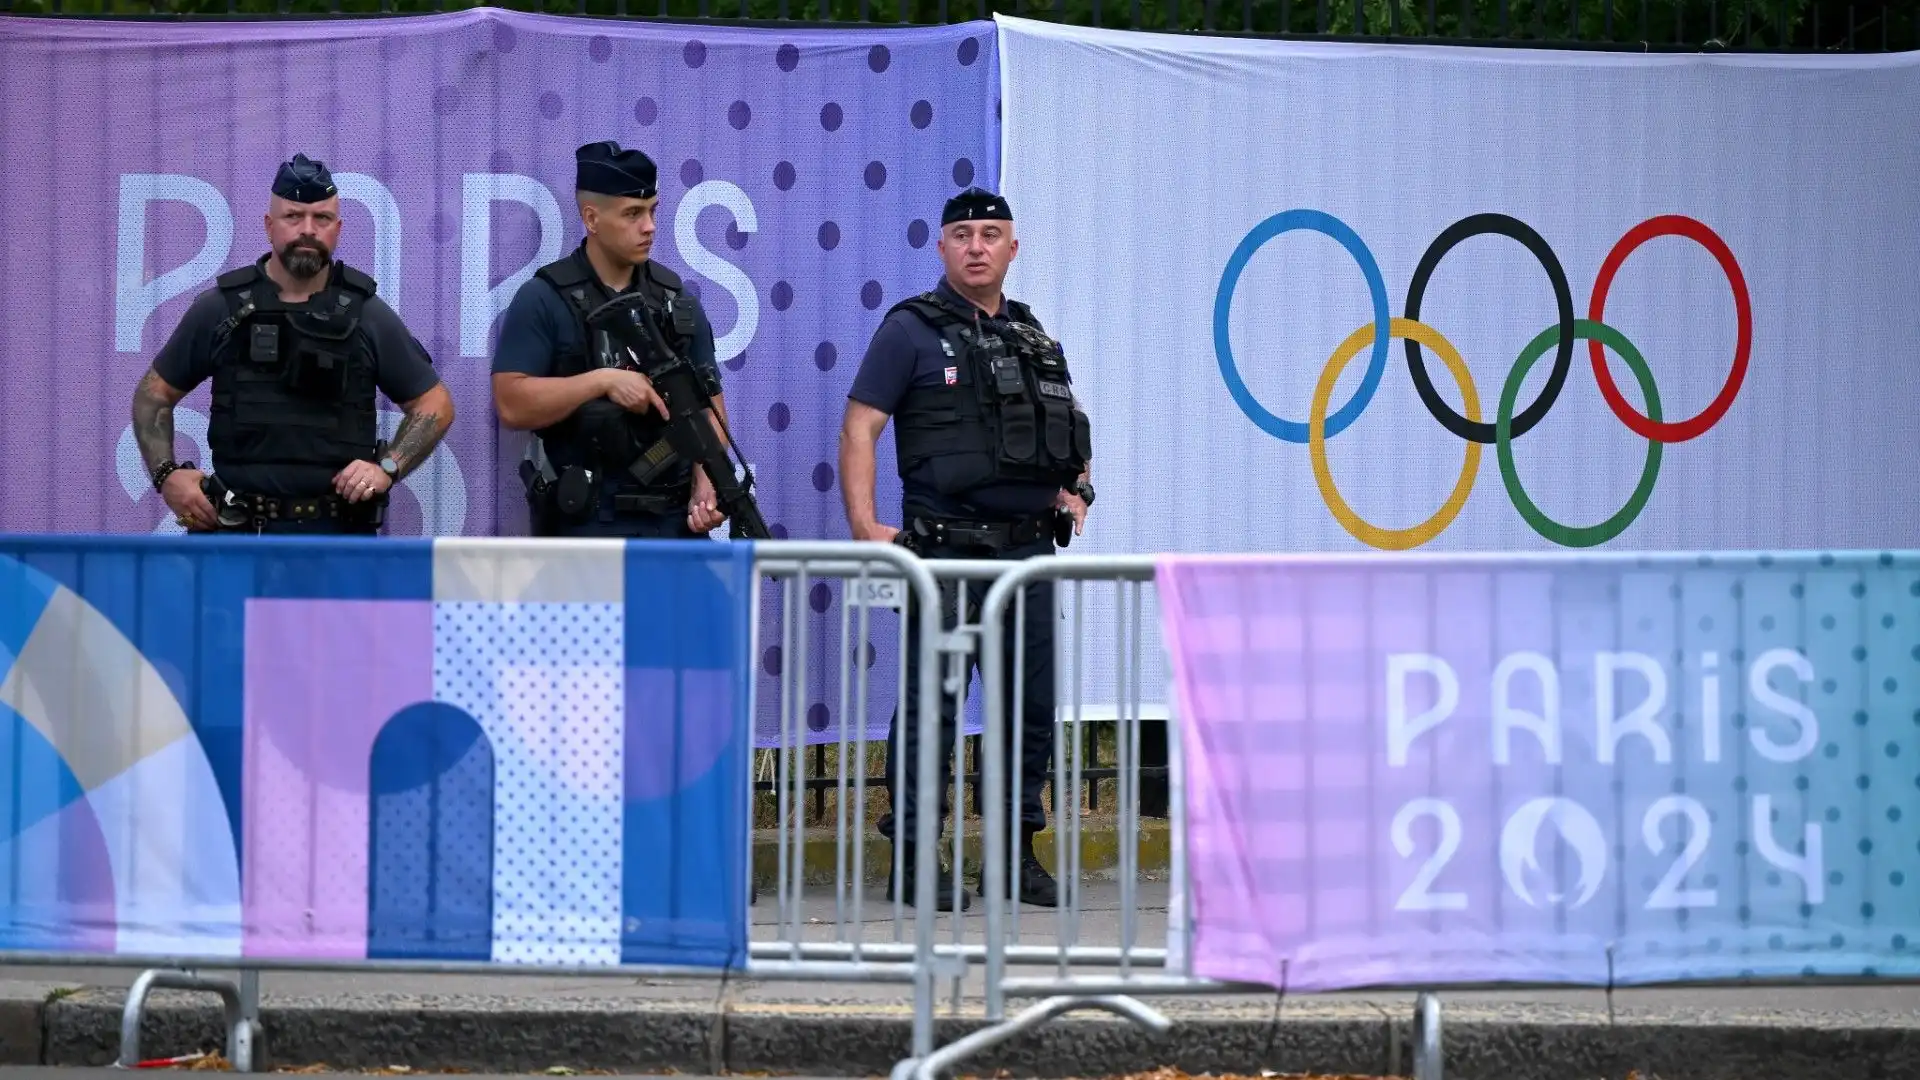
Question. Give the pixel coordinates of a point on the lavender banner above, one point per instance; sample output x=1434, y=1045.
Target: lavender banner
x=1579, y=769
x=802, y=175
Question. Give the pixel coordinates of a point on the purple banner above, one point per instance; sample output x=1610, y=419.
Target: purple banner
x=802, y=175
x=1590, y=770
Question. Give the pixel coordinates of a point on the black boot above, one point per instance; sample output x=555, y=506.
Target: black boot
x=1034, y=885
x=943, y=888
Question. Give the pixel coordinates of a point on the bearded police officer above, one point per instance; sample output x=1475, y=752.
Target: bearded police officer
x=297, y=344
x=992, y=455
x=577, y=388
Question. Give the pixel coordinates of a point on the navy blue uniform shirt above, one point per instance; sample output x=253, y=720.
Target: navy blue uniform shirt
x=905, y=352
x=539, y=325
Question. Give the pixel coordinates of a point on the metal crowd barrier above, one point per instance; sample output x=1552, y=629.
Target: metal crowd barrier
x=1850, y=613
x=1136, y=966
x=958, y=635
x=869, y=576
x=972, y=633
x=126, y=563
x=1823, y=694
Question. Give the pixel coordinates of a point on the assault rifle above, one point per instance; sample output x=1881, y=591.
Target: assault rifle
x=691, y=419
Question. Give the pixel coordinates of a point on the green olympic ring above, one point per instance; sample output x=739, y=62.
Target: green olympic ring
x=1559, y=533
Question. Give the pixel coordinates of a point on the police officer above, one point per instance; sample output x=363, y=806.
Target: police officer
x=993, y=456
x=579, y=389
x=296, y=344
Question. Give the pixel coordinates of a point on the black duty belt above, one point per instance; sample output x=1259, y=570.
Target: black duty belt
x=259, y=509
x=998, y=535
x=649, y=503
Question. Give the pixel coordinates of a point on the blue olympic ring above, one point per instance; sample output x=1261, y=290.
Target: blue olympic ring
x=1295, y=431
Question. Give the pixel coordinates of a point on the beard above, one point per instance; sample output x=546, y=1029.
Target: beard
x=305, y=258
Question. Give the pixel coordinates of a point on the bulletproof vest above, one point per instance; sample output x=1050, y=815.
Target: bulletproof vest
x=1004, y=413
x=601, y=435
x=293, y=384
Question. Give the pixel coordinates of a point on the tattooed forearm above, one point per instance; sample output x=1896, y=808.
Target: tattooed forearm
x=153, y=405
x=419, y=433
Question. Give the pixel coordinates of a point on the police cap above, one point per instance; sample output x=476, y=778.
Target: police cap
x=975, y=204
x=605, y=169
x=304, y=181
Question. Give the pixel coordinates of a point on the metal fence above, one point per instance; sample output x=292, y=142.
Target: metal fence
x=1135, y=965
x=911, y=947
x=843, y=957
x=1637, y=25
x=823, y=932
x=1849, y=613
x=988, y=931
x=793, y=569
x=1095, y=606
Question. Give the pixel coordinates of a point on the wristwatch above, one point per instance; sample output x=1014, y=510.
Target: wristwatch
x=1084, y=489
x=388, y=466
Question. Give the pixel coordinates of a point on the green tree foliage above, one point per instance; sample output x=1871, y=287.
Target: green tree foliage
x=1821, y=25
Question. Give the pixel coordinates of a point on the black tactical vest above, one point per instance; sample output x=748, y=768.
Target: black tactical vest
x=293, y=384
x=1005, y=413
x=601, y=435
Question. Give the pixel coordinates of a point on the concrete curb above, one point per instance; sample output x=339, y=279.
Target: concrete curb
x=506, y=1035
x=22, y=1030
x=1099, y=853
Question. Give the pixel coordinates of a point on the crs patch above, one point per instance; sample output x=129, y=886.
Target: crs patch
x=1056, y=390
x=953, y=375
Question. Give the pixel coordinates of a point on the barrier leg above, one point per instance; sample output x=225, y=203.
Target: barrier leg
x=240, y=1026
x=251, y=1029
x=1426, y=1038
x=932, y=1066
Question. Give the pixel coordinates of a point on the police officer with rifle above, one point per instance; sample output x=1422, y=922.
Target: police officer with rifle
x=610, y=361
x=993, y=453
x=297, y=344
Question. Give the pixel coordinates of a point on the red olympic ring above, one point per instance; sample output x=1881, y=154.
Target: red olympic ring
x=1673, y=431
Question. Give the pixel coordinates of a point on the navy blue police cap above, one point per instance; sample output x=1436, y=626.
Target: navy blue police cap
x=304, y=181
x=605, y=169
x=976, y=204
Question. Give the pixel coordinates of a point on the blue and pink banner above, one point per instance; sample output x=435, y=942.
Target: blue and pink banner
x=802, y=174
x=441, y=750
x=1579, y=769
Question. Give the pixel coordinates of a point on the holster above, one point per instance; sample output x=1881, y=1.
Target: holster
x=554, y=500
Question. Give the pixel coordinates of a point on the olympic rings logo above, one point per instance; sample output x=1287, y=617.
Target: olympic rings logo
x=1506, y=426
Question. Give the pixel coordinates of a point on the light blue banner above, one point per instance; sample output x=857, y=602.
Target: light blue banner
x=443, y=750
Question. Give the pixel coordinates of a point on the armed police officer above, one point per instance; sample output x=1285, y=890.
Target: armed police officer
x=578, y=387
x=297, y=345
x=993, y=456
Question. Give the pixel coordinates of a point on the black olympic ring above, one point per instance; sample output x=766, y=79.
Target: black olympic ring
x=1502, y=225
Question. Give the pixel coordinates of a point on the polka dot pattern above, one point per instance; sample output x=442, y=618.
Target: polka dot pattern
x=430, y=860
x=546, y=682
x=814, y=155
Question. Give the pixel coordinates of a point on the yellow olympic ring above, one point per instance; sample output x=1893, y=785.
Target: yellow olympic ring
x=1366, y=532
